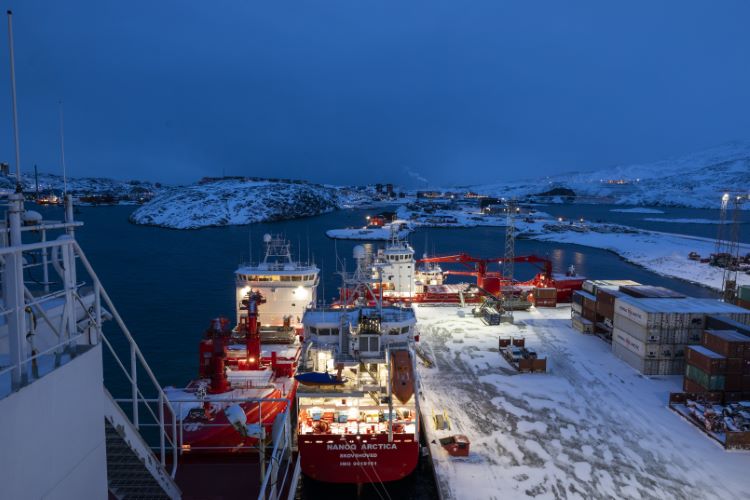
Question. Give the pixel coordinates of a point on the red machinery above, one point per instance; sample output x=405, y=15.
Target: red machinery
x=493, y=281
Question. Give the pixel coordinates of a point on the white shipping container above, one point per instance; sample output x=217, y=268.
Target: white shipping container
x=642, y=333
x=644, y=350
x=645, y=366
x=576, y=308
x=674, y=351
x=688, y=312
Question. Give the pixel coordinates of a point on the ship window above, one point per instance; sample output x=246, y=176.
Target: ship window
x=393, y=331
x=275, y=277
x=335, y=331
x=286, y=278
x=296, y=278
x=313, y=330
x=405, y=329
x=324, y=331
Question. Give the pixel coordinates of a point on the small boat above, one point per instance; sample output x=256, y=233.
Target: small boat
x=402, y=376
x=319, y=378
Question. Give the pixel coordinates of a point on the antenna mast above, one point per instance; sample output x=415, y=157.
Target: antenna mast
x=62, y=150
x=13, y=93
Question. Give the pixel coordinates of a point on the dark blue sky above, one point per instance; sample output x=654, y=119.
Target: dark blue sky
x=357, y=91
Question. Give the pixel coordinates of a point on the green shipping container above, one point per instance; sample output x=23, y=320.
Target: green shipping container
x=712, y=383
x=743, y=292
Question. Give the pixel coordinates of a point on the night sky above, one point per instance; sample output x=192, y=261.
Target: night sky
x=358, y=91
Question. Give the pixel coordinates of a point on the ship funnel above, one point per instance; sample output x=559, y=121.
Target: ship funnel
x=359, y=252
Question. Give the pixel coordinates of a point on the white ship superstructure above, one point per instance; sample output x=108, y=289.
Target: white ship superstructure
x=288, y=286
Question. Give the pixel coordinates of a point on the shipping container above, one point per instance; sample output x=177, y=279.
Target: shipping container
x=582, y=324
x=545, y=293
x=649, y=335
x=686, y=313
x=577, y=297
x=576, y=308
x=728, y=343
x=644, y=366
x=652, y=292
x=743, y=292
x=710, y=382
x=671, y=367
x=735, y=366
x=707, y=360
x=642, y=349
x=724, y=323
x=589, y=314
x=694, y=387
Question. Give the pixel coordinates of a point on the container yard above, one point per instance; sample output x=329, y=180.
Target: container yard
x=592, y=426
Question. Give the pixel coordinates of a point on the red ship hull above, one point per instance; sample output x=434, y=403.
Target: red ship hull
x=216, y=434
x=358, y=459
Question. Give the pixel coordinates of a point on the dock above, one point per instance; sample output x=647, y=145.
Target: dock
x=591, y=427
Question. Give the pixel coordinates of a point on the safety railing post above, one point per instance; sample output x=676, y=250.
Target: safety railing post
x=162, y=432
x=134, y=384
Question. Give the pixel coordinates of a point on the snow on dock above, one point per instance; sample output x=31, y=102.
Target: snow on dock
x=590, y=428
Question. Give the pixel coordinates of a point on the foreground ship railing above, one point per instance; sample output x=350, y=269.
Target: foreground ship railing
x=54, y=308
x=64, y=317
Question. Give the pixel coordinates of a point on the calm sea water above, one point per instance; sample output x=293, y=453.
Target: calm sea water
x=167, y=284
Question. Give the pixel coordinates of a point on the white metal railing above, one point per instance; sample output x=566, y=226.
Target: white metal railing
x=136, y=360
x=77, y=324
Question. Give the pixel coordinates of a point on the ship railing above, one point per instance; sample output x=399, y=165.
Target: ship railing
x=167, y=431
x=75, y=328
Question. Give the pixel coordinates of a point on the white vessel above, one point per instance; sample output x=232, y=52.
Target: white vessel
x=288, y=286
x=361, y=424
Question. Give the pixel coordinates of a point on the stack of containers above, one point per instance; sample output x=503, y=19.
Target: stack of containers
x=605, y=309
x=651, y=334
x=586, y=314
x=583, y=311
x=735, y=348
x=705, y=371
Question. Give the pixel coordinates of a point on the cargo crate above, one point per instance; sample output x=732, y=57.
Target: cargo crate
x=707, y=360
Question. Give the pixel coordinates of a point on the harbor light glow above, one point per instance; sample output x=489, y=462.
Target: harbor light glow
x=300, y=293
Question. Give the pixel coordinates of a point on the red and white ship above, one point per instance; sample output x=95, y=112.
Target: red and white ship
x=358, y=416
x=246, y=373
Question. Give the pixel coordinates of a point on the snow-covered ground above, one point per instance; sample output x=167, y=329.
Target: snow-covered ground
x=694, y=180
x=590, y=428
x=400, y=227
x=679, y=221
x=662, y=253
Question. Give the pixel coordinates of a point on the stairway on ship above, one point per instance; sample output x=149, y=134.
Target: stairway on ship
x=127, y=476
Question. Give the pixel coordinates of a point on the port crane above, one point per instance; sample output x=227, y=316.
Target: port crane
x=491, y=281
x=727, y=254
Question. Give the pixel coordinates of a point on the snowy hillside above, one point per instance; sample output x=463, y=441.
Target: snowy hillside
x=77, y=186
x=237, y=201
x=696, y=180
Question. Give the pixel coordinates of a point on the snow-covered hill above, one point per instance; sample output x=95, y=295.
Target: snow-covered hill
x=697, y=180
x=78, y=186
x=238, y=201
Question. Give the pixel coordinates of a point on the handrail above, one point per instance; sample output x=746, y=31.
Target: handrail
x=135, y=354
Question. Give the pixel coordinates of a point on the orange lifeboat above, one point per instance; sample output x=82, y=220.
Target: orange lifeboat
x=402, y=376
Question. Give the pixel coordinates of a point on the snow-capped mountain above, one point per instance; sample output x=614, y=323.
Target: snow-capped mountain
x=696, y=180
x=225, y=202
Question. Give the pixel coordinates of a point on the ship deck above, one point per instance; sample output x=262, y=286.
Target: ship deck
x=591, y=427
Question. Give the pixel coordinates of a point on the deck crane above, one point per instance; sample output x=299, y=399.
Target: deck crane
x=728, y=251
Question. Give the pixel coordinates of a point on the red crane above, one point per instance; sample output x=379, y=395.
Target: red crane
x=492, y=281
